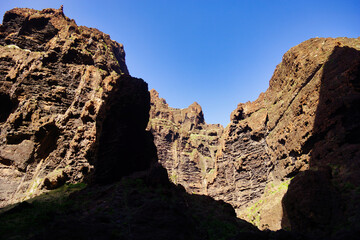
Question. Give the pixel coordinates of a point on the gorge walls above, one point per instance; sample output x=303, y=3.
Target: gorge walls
x=301, y=124
x=70, y=112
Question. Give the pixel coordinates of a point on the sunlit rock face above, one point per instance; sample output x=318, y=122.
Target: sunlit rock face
x=307, y=121
x=186, y=145
x=59, y=83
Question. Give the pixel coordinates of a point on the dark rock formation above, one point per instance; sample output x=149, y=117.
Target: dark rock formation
x=70, y=112
x=306, y=120
x=134, y=208
x=124, y=145
x=66, y=95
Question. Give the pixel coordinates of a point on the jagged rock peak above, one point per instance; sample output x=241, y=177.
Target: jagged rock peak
x=155, y=99
x=191, y=116
x=50, y=30
x=186, y=145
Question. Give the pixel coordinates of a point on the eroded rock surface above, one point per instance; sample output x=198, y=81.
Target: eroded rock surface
x=59, y=84
x=307, y=119
x=186, y=145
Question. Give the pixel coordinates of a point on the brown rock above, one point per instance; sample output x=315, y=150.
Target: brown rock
x=55, y=179
x=59, y=84
x=18, y=155
x=68, y=106
x=332, y=202
x=307, y=119
x=186, y=145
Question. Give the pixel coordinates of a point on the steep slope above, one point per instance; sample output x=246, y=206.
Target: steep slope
x=307, y=119
x=332, y=202
x=59, y=84
x=294, y=108
x=70, y=112
x=186, y=145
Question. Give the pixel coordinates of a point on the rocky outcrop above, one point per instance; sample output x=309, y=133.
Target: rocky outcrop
x=186, y=145
x=304, y=123
x=59, y=85
x=70, y=112
x=332, y=201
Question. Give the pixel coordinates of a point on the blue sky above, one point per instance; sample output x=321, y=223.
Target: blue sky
x=217, y=53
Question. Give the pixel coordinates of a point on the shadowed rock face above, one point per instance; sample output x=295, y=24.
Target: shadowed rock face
x=332, y=201
x=70, y=111
x=307, y=119
x=59, y=84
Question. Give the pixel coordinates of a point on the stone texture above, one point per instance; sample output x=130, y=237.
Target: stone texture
x=18, y=155
x=332, y=202
x=70, y=111
x=307, y=119
x=186, y=145
x=59, y=84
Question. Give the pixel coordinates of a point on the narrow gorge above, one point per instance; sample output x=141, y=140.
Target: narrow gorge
x=298, y=134
x=87, y=152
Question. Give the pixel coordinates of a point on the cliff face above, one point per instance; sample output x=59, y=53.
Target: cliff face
x=186, y=145
x=59, y=84
x=70, y=111
x=333, y=198
x=305, y=123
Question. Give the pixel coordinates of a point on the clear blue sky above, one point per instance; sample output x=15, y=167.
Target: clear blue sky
x=215, y=52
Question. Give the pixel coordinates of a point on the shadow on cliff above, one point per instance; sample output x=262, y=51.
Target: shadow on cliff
x=129, y=195
x=324, y=200
x=144, y=205
x=123, y=145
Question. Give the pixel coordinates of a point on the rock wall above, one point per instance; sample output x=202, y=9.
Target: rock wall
x=186, y=145
x=70, y=111
x=305, y=120
x=332, y=201
x=58, y=84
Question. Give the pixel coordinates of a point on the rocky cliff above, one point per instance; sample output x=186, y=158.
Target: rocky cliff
x=186, y=145
x=70, y=112
x=67, y=104
x=300, y=137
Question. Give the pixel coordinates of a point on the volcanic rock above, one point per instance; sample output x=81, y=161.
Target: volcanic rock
x=70, y=112
x=306, y=122
x=66, y=95
x=186, y=145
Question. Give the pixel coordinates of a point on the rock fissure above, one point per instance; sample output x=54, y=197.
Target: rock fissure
x=296, y=94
